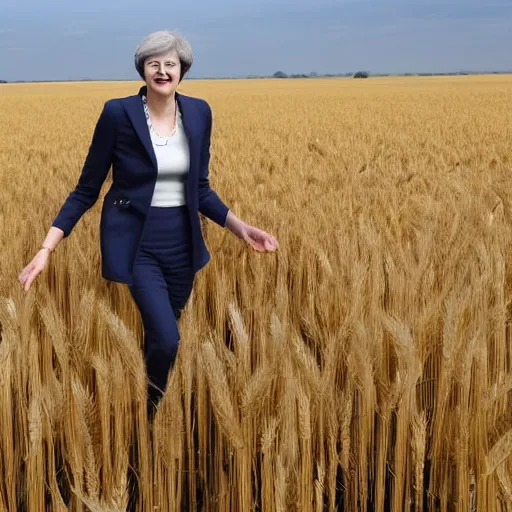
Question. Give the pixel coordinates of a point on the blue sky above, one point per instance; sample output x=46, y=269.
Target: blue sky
x=64, y=39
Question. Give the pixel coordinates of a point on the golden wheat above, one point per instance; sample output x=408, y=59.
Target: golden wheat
x=365, y=366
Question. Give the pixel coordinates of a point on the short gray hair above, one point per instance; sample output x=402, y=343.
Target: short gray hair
x=160, y=42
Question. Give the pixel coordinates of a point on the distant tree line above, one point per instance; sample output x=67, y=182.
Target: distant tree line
x=358, y=74
x=366, y=74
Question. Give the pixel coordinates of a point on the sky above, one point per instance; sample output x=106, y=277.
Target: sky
x=96, y=39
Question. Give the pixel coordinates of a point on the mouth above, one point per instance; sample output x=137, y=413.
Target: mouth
x=162, y=81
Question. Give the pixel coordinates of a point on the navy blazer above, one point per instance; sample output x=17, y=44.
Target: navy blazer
x=121, y=140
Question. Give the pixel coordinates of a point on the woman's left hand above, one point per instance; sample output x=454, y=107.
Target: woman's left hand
x=259, y=239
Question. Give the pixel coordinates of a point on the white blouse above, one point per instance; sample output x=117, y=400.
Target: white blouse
x=173, y=159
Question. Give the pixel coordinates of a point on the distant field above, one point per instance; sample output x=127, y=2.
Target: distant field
x=366, y=366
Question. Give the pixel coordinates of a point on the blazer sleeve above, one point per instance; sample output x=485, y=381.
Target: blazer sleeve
x=210, y=203
x=94, y=172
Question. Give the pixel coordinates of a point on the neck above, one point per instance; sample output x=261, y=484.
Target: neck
x=159, y=104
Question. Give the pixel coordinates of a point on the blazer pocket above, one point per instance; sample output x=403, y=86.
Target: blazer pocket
x=121, y=202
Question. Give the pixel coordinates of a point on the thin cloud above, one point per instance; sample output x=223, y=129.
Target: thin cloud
x=75, y=34
x=16, y=49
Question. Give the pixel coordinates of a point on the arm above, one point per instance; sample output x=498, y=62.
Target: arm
x=210, y=203
x=53, y=238
x=40, y=260
x=94, y=172
x=235, y=225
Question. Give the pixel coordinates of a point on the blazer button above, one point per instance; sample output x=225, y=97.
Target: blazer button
x=115, y=202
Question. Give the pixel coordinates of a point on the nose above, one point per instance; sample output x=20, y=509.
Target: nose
x=161, y=68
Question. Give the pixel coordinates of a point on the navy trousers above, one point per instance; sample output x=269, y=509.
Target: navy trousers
x=163, y=280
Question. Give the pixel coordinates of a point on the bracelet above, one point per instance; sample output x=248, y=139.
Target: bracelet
x=44, y=247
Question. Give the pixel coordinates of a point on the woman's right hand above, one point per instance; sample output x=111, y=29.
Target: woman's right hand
x=34, y=268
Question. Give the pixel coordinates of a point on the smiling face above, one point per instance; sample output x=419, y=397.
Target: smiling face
x=162, y=73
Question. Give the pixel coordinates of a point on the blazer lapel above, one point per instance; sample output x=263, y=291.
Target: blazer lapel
x=135, y=110
x=189, y=118
x=189, y=124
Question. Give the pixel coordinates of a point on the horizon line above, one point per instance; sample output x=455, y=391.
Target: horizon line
x=288, y=75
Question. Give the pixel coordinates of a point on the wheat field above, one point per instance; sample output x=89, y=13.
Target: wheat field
x=366, y=366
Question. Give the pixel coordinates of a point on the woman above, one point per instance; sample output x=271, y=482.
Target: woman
x=158, y=144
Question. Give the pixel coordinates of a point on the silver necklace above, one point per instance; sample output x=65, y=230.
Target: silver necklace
x=158, y=140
